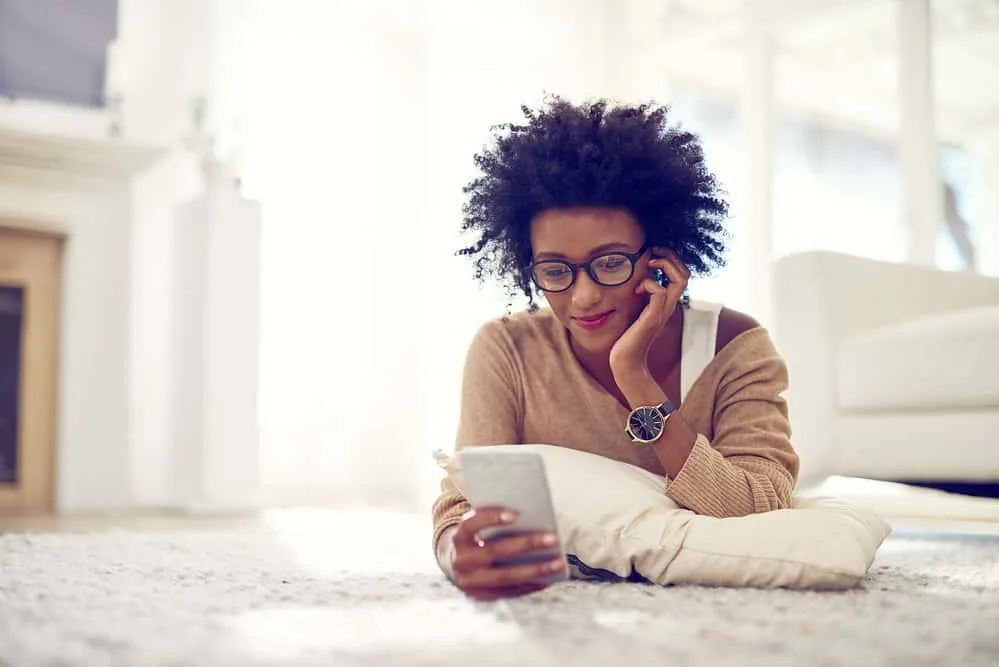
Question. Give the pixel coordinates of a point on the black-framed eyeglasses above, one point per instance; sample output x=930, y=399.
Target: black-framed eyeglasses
x=608, y=269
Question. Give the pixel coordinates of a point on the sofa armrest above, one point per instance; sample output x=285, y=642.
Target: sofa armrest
x=823, y=298
x=856, y=294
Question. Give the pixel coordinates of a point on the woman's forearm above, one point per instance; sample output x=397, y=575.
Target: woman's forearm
x=677, y=440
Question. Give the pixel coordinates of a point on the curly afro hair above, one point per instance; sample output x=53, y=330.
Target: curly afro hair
x=593, y=154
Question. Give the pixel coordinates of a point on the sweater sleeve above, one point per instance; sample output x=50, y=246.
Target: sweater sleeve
x=490, y=414
x=750, y=465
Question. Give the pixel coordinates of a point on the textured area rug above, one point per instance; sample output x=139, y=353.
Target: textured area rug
x=322, y=590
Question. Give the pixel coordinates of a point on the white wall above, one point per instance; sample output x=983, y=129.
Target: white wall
x=389, y=108
x=170, y=53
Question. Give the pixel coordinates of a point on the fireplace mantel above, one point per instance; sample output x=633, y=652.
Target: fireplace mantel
x=90, y=157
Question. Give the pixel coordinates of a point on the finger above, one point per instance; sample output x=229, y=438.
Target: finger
x=673, y=260
x=650, y=286
x=510, y=575
x=508, y=547
x=673, y=290
x=477, y=520
x=663, y=253
x=675, y=270
x=469, y=559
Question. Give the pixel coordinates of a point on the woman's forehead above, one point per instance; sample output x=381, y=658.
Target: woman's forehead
x=577, y=233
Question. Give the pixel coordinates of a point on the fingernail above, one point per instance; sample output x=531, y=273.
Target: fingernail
x=508, y=517
x=556, y=565
x=549, y=540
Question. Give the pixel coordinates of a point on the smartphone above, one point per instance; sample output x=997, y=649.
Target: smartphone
x=505, y=477
x=659, y=276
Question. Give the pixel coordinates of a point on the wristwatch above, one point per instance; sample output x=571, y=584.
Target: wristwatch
x=646, y=423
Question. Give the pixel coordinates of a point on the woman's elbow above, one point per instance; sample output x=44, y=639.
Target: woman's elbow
x=777, y=491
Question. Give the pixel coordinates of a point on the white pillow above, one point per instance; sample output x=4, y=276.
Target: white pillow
x=616, y=523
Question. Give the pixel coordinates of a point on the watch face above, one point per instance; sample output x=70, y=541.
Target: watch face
x=646, y=423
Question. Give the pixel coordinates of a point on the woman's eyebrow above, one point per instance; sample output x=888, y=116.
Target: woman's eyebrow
x=617, y=245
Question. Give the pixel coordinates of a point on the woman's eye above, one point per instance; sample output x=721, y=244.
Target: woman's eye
x=614, y=264
x=554, y=273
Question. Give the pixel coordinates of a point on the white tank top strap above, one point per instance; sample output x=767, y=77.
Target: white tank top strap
x=700, y=335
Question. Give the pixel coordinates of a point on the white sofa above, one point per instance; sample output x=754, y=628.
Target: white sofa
x=894, y=368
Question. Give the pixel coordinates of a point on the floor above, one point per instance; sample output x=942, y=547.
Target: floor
x=314, y=587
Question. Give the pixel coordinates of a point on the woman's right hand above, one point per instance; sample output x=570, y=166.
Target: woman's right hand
x=470, y=562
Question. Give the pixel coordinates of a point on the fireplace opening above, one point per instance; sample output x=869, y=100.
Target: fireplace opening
x=11, y=335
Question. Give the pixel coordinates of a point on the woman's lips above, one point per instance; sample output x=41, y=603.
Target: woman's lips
x=594, y=322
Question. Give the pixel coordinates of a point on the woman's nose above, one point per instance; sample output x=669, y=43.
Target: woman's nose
x=585, y=292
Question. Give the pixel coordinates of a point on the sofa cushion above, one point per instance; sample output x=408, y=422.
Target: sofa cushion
x=944, y=361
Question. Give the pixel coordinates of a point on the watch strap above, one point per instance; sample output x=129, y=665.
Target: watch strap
x=666, y=408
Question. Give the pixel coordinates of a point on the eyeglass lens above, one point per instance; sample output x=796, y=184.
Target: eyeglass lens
x=607, y=270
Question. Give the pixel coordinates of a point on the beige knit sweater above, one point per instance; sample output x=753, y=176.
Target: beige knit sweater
x=523, y=384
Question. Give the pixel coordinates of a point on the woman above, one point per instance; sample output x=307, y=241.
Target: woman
x=579, y=204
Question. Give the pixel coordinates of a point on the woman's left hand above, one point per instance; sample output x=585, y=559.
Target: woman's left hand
x=630, y=353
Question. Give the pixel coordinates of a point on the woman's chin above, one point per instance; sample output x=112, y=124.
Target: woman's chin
x=595, y=342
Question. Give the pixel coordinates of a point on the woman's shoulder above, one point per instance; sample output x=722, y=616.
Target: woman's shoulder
x=731, y=325
x=523, y=331
x=745, y=354
x=524, y=325
x=742, y=343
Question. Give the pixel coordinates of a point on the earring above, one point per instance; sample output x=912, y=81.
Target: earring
x=685, y=300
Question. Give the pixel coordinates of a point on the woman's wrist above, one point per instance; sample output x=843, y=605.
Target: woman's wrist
x=638, y=386
x=674, y=446
x=445, y=550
